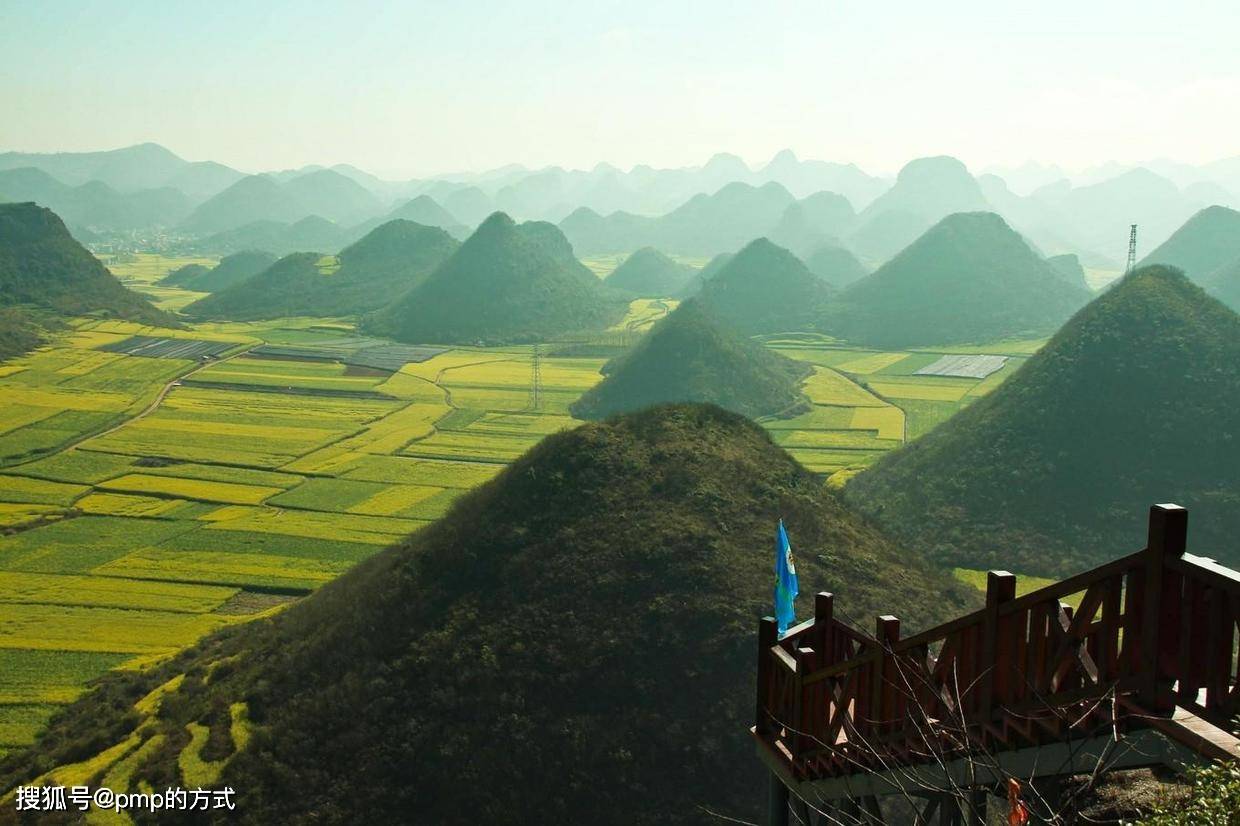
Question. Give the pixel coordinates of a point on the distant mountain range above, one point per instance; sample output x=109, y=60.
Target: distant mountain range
x=324, y=193
x=717, y=207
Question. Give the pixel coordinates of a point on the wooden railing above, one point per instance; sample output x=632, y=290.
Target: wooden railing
x=1152, y=632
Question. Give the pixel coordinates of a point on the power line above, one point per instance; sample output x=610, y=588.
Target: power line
x=536, y=382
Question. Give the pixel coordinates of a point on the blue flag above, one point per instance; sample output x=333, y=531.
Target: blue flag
x=785, y=581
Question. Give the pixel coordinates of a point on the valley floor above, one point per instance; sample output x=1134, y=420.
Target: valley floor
x=152, y=492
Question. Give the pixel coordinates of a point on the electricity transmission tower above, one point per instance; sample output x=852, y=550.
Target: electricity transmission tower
x=1132, y=249
x=536, y=382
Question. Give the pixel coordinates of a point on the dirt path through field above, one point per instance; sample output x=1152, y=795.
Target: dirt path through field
x=143, y=413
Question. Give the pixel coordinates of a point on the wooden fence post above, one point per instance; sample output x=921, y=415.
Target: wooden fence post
x=768, y=635
x=800, y=739
x=887, y=632
x=1168, y=535
x=824, y=618
x=1000, y=588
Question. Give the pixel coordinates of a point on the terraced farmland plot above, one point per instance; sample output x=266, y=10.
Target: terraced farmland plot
x=196, y=404
x=203, y=539
x=123, y=504
x=338, y=495
x=32, y=676
x=79, y=466
x=20, y=724
x=256, y=445
x=870, y=363
x=109, y=592
x=372, y=530
x=34, y=626
x=38, y=491
x=930, y=389
x=412, y=388
x=288, y=374
x=887, y=422
x=818, y=418
x=411, y=501
x=453, y=359
x=199, y=489
x=397, y=429
x=827, y=387
x=524, y=424
x=75, y=546
x=243, y=476
x=66, y=392
x=481, y=447
x=17, y=514
x=258, y=430
x=241, y=570
x=824, y=356
x=401, y=470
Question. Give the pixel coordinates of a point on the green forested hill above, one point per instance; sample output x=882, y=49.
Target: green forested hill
x=183, y=276
x=835, y=265
x=391, y=259
x=1069, y=268
x=42, y=265
x=232, y=269
x=1224, y=284
x=1207, y=241
x=573, y=642
x=969, y=279
x=766, y=289
x=508, y=282
x=649, y=273
x=689, y=357
x=1133, y=402
x=19, y=333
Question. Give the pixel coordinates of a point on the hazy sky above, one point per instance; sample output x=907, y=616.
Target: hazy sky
x=411, y=88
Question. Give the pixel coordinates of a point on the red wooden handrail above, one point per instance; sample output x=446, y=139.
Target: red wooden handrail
x=1157, y=629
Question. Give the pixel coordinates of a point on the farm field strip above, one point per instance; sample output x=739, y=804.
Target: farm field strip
x=922, y=390
x=239, y=570
x=19, y=514
x=199, y=489
x=24, y=490
x=105, y=592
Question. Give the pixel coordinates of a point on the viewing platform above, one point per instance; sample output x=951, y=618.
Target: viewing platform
x=1141, y=673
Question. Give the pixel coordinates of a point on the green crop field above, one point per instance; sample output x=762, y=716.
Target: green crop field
x=143, y=510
